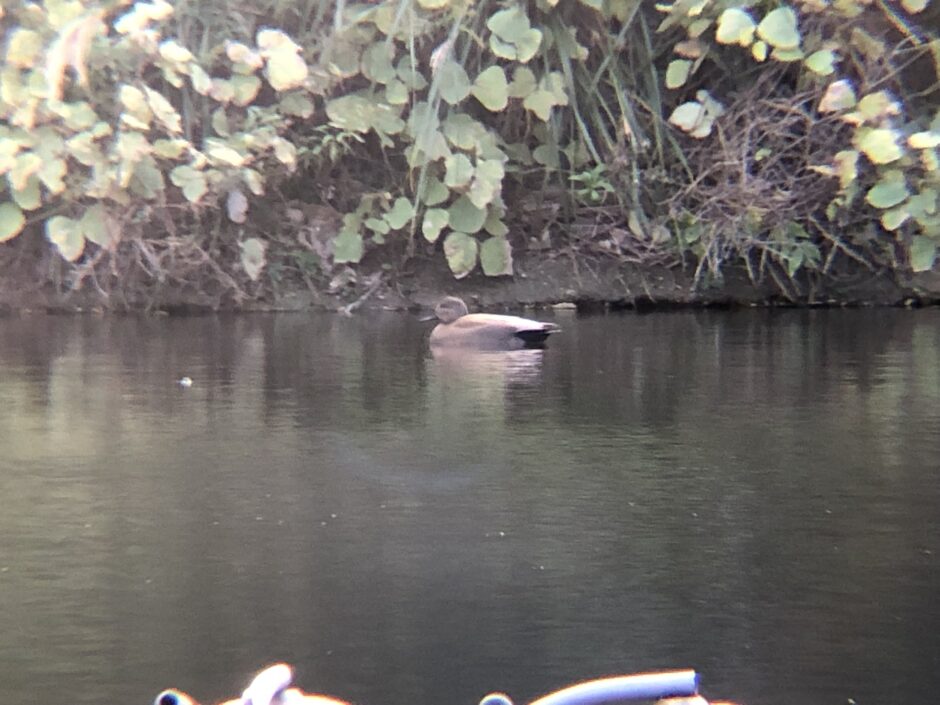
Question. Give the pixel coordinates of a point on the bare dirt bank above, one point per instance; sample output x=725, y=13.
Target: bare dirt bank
x=537, y=281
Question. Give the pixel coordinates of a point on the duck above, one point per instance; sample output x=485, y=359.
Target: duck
x=458, y=328
x=270, y=687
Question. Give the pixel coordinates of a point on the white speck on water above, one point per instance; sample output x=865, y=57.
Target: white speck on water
x=185, y=382
x=332, y=516
x=259, y=518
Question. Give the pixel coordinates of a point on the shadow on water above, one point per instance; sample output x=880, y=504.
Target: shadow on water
x=751, y=494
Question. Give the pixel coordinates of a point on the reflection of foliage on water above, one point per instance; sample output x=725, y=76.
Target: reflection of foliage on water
x=328, y=485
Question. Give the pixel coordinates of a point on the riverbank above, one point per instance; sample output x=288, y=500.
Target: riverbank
x=588, y=283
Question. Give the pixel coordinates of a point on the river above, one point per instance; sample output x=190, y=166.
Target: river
x=752, y=494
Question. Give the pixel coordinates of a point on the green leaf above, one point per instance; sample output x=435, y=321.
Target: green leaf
x=410, y=75
x=253, y=181
x=252, y=256
x=930, y=160
x=453, y=81
x=540, y=102
x=875, y=106
x=459, y=170
x=821, y=62
x=77, y=116
x=759, y=50
x=66, y=235
x=463, y=131
x=924, y=140
x=547, y=155
x=96, y=225
x=846, y=167
x=164, y=111
x=528, y=45
x=12, y=221
x=435, y=220
x=487, y=182
x=893, y=219
x=922, y=253
x=400, y=213
x=29, y=197
x=839, y=96
x=880, y=145
x=396, y=92
x=222, y=153
x=246, y=89
x=735, y=26
x=201, y=81
x=523, y=82
x=496, y=257
x=509, y=25
x=137, y=113
x=914, y=6
x=689, y=117
x=466, y=217
x=435, y=191
x=923, y=204
x=377, y=62
x=285, y=67
x=889, y=191
x=432, y=146
x=677, y=72
x=779, y=29
x=494, y=224
x=352, y=112
x=174, y=52
x=23, y=48
x=491, y=89
x=296, y=104
x=191, y=181
x=26, y=165
x=147, y=179
x=491, y=170
x=347, y=247
x=378, y=225
x=503, y=50
x=460, y=250
x=787, y=55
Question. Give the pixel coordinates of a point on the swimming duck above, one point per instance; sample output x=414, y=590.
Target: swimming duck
x=485, y=331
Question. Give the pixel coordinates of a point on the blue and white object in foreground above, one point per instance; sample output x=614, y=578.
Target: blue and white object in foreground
x=641, y=686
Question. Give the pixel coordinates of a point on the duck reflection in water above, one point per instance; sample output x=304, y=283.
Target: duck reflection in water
x=458, y=328
x=270, y=687
x=486, y=367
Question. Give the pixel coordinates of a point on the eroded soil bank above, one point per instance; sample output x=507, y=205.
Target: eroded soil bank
x=536, y=282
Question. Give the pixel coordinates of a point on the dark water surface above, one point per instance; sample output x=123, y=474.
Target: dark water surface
x=755, y=495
